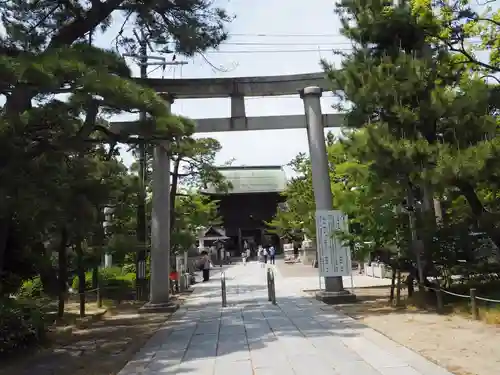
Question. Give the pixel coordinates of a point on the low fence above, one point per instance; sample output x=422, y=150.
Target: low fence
x=472, y=297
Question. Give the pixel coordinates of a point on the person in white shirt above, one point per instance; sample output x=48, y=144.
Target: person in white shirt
x=266, y=254
x=260, y=255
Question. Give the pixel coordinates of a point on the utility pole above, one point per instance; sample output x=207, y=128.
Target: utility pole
x=141, y=221
x=141, y=231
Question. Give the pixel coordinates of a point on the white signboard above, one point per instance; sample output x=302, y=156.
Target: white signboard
x=334, y=258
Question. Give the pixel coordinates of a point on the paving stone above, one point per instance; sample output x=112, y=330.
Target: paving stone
x=274, y=370
x=405, y=370
x=372, y=354
x=355, y=368
x=232, y=368
x=162, y=364
x=418, y=362
x=310, y=364
x=334, y=349
x=170, y=354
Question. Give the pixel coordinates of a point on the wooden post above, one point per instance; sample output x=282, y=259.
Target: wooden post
x=439, y=300
x=393, y=285
x=398, y=288
x=473, y=304
x=98, y=298
x=98, y=290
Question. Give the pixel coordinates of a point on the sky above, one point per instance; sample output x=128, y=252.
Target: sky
x=294, y=37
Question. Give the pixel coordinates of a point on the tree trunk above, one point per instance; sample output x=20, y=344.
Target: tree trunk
x=4, y=233
x=63, y=271
x=398, y=288
x=95, y=277
x=485, y=219
x=173, y=192
x=409, y=283
x=393, y=284
x=80, y=271
x=48, y=275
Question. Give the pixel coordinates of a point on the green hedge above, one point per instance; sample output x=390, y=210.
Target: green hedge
x=114, y=283
x=21, y=325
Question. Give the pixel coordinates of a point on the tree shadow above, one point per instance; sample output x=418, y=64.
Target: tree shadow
x=101, y=347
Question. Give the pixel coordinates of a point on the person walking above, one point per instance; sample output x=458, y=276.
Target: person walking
x=260, y=256
x=272, y=255
x=244, y=257
x=266, y=254
x=205, y=264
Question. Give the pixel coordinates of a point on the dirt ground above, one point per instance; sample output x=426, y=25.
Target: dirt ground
x=101, y=347
x=464, y=346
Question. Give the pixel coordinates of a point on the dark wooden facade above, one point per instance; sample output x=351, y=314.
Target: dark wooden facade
x=245, y=215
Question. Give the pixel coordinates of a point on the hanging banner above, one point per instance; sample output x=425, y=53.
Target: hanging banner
x=334, y=258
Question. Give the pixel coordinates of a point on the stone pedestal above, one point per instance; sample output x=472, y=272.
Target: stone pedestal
x=308, y=252
x=288, y=251
x=335, y=298
x=168, y=307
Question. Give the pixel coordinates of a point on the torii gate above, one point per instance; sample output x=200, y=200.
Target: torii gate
x=309, y=86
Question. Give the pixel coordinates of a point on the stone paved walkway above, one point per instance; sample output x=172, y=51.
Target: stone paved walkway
x=250, y=336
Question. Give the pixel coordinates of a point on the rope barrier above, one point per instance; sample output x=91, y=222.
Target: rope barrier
x=461, y=295
x=488, y=299
x=472, y=297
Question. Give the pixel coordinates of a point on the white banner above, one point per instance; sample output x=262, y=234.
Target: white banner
x=334, y=259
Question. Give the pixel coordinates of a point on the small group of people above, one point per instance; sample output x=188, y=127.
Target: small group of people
x=245, y=256
x=266, y=253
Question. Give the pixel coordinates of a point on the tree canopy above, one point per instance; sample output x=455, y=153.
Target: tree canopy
x=56, y=146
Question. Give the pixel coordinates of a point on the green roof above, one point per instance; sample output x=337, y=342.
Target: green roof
x=258, y=179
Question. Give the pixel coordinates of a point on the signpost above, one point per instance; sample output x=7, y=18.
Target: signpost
x=334, y=257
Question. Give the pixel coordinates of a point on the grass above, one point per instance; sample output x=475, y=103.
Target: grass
x=487, y=314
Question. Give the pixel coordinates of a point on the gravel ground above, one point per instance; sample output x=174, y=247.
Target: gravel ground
x=465, y=347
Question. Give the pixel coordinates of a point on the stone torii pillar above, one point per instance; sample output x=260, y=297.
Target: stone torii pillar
x=334, y=288
x=159, y=296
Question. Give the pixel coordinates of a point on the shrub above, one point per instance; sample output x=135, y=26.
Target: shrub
x=22, y=326
x=119, y=288
x=104, y=274
x=32, y=288
x=114, y=283
x=128, y=268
